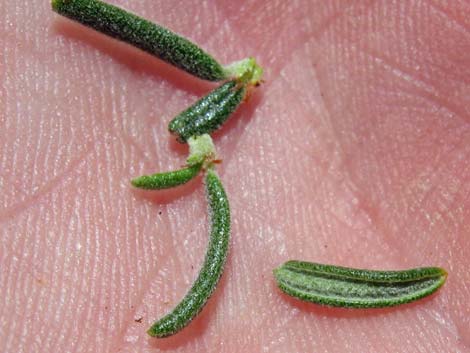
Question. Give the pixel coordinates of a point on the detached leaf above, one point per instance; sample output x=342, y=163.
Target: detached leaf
x=356, y=288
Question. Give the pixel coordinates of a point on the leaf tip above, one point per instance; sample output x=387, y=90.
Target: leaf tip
x=56, y=4
x=277, y=272
x=135, y=182
x=141, y=182
x=443, y=274
x=152, y=332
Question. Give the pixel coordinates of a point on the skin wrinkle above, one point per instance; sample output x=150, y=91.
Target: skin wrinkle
x=34, y=308
x=47, y=188
x=149, y=280
x=428, y=91
x=239, y=207
x=129, y=140
x=376, y=225
x=454, y=20
x=381, y=229
x=441, y=160
x=435, y=173
x=31, y=270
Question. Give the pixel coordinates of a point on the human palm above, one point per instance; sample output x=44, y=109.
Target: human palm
x=353, y=152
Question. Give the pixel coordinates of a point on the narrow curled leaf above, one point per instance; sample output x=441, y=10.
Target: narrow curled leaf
x=143, y=34
x=208, y=113
x=212, y=267
x=168, y=179
x=356, y=288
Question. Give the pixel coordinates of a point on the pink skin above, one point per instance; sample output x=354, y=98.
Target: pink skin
x=353, y=152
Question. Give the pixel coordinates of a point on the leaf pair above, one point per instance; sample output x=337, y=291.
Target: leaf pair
x=202, y=118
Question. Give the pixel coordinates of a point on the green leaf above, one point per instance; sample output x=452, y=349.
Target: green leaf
x=209, y=113
x=212, y=268
x=143, y=34
x=168, y=179
x=356, y=288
